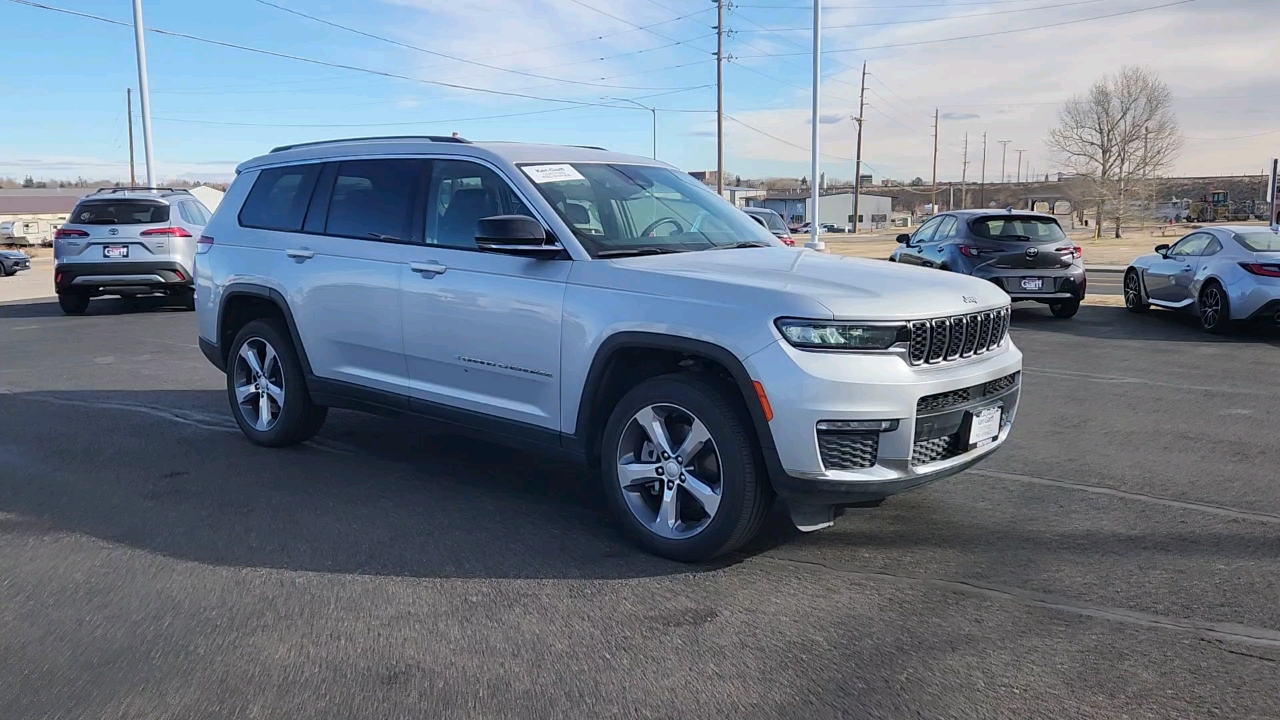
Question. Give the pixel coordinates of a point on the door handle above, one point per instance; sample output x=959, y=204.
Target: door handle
x=300, y=254
x=1186, y=267
x=427, y=268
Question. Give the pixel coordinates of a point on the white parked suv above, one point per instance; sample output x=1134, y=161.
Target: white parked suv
x=604, y=307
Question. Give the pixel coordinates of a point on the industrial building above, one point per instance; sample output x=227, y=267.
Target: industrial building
x=834, y=209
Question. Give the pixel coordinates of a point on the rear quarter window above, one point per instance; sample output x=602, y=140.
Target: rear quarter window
x=279, y=197
x=119, y=212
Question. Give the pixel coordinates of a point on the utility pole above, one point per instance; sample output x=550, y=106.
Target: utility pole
x=1146, y=186
x=720, y=98
x=1019, y=163
x=982, y=180
x=144, y=92
x=128, y=101
x=964, y=175
x=1274, y=195
x=935, y=161
x=857, y=162
x=814, y=175
x=1004, y=151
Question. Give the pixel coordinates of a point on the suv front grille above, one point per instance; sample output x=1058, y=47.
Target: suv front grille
x=941, y=401
x=848, y=451
x=952, y=338
x=924, y=452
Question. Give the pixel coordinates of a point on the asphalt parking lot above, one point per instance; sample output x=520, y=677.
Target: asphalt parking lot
x=1119, y=557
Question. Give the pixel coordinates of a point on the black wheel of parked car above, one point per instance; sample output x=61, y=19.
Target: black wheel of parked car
x=1133, y=293
x=1214, y=308
x=682, y=470
x=267, y=389
x=73, y=303
x=1065, y=309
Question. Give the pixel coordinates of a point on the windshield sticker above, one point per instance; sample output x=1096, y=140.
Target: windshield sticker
x=551, y=173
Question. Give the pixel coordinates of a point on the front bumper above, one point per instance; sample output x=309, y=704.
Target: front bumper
x=122, y=277
x=929, y=404
x=16, y=264
x=1059, y=284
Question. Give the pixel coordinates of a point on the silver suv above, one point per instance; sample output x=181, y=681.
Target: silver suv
x=604, y=307
x=128, y=242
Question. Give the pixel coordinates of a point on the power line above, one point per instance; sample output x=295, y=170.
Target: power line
x=889, y=7
x=929, y=20
x=785, y=142
x=628, y=22
x=313, y=61
x=979, y=35
x=455, y=58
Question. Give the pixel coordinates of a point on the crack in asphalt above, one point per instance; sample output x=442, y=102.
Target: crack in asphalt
x=1130, y=495
x=1242, y=634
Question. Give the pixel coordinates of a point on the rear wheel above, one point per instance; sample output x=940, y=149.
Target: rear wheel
x=681, y=469
x=267, y=390
x=1065, y=309
x=73, y=303
x=1214, y=308
x=1133, y=293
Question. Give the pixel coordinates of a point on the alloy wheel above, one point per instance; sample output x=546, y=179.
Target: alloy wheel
x=1210, y=307
x=670, y=471
x=1132, y=294
x=259, y=384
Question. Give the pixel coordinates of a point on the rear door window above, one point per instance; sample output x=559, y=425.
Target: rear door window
x=373, y=199
x=188, y=214
x=278, y=199
x=120, y=212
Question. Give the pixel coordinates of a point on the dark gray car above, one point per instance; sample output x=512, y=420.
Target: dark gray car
x=1027, y=254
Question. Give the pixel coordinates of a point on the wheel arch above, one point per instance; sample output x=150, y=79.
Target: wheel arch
x=244, y=302
x=614, y=365
x=1140, y=272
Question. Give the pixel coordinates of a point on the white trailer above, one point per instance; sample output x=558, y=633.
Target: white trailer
x=26, y=231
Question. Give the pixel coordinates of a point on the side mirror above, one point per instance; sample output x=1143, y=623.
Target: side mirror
x=904, y=239
x=1163, y=249
x=515, y=235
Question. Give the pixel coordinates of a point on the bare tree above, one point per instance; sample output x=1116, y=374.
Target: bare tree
x=1118, y=134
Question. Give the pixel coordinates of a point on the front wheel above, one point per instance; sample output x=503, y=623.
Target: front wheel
x=1065, y=309
x=1133, y=293
x=1215, y=309
x=7, y=271
x=267, y=390
x=681, y=469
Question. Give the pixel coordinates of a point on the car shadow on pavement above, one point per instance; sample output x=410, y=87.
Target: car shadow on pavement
x=168, y=472
x=98, y=306
x=1117, y=323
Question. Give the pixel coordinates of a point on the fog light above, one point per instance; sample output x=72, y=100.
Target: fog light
x=857, y=425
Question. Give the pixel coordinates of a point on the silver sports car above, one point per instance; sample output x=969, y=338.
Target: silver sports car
x=1223, y=274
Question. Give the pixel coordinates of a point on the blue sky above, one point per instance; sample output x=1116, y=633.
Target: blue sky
x=215, y=106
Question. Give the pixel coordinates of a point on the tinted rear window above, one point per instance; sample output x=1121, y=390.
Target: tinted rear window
x=1259, y=241
x=1018, y=228
x=771, y=221
x=373, y=199
x=120, y=212
x=279, y=197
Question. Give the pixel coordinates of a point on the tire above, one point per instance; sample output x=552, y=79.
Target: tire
x=729, y=468
x=290, y=417
x=73, y=303
x=1065, y=309
x=7, y=271
x=1133, y=293
x=1214, y=308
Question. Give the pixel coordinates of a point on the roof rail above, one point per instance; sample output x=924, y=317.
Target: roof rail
x=432, y=138
x=110, y=190
x=591, y=147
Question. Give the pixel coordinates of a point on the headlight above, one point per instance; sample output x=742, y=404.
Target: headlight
x=828, y=335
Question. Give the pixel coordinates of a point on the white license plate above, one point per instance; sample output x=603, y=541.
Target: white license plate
x=115, y=251
x=1032, y=283
x=984, y=426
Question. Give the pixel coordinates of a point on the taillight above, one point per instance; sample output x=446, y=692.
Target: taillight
x=1263, y=269
x=786, y=240
x=969, y=251
x=1076, y=251
x=167, y=232
x=63, y=233
x=204, y=244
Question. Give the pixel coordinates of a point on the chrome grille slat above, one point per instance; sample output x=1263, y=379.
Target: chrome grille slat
x=947, y=339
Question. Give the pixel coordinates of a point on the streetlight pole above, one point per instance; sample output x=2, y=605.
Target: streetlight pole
x=814, y=190
x=144, y=92
x=653, y=110
x=1004, y=152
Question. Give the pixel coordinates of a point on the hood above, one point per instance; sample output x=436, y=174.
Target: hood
x=12, y=254
x=851, y=288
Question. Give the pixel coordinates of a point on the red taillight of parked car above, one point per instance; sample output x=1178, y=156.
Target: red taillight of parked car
x=204, y=244
x=970, y=251
x=1263, y=269
x=167, y=232
x=1076, y=251
x=65, y=233
x=786, y=240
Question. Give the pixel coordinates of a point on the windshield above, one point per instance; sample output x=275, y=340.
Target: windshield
x=120, y=212
x=615, y=209
x=1260, y=241
x=771, y=220
x=1018, y=228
